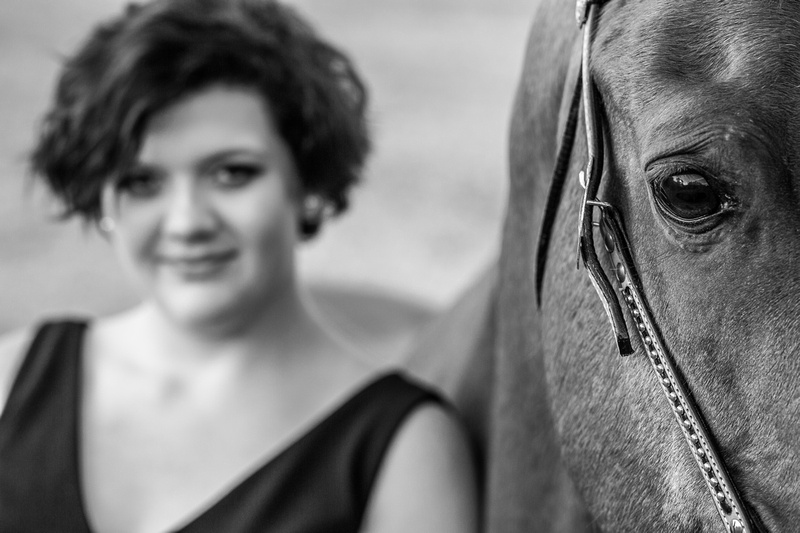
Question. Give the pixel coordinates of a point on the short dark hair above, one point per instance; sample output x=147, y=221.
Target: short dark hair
x=158, y=52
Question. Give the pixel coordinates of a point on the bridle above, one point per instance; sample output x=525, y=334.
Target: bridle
x=703, y=448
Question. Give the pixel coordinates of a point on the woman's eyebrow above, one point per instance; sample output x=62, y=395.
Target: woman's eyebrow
x=251, y=155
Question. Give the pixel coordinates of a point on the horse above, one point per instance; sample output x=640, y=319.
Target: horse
x=658, y=148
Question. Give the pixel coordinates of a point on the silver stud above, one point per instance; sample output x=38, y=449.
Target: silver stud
x=608, y=238
x=707, y=467
x=673, y=396
x=700, y=452
x=679, y=409
x=694, y=438
x=621, y=273
x=640, y=325
x=737, y=527
x=636, y=313
x=713, y=481
x=647, y=340
x=665, y=381
x=725, y=506
x=720, y=496
x=687, y=423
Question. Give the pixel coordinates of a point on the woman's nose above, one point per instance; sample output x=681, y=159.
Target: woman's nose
x=189, y=212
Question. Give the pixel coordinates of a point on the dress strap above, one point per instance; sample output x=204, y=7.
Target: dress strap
x=55, y=349
x=38, y=435
x=382, y=414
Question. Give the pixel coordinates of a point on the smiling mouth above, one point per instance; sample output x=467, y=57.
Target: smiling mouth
x=199, y=266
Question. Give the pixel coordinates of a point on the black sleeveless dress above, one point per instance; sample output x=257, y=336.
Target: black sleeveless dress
x=320, y=484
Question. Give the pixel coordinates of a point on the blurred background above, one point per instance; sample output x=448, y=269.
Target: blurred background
x=424, y=223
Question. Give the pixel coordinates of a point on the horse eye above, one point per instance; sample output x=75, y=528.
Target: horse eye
x=687, y=196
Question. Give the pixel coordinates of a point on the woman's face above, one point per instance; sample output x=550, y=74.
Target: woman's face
x=206, y=218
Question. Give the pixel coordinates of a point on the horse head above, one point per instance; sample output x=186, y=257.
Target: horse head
x=694, y=180
x=698, y=106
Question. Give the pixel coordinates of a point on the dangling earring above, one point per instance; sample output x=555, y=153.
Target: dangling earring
x=311, y=217
x=106, y=224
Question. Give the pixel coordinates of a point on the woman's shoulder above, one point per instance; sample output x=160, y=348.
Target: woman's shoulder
x=428, y=480
x=13, y=347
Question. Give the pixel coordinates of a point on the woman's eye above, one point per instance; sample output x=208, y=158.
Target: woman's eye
x=236, y=175
x=140, y=184
x=687, y=196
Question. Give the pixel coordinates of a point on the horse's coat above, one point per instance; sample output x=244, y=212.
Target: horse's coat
x=578, y=437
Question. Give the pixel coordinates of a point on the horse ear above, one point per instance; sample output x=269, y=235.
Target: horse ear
x=455, y=354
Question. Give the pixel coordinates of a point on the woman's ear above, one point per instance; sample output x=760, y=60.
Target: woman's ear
x=312, y=213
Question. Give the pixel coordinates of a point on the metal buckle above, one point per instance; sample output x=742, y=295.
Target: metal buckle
x=582, y=10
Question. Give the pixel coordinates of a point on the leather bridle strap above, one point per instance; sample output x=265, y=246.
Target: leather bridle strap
x=687, y=414
x=557, y=187
x=590, y=180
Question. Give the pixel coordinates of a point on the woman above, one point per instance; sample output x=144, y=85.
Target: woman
x=205, y=138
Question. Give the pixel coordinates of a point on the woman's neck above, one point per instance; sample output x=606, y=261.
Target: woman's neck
x=286, y=332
